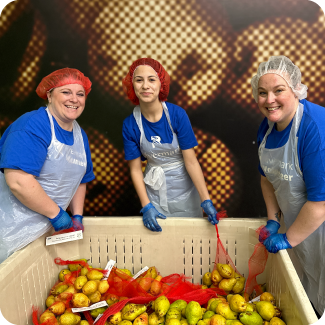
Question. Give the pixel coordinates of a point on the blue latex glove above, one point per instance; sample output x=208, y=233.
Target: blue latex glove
x=210, y=210
x=61, y=221
x=271, y=228
x=79, y=225
x=150, y=214
x=276, y=242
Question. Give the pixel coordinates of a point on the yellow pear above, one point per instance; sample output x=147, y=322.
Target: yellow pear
x=103, y=286
x=265, y=309
x=266, y=296
x=141, y=319
x=69, y=319
x=215, y=276
x=238, y=303
x=45, y=316
x=132, y=311
x=225, y=270
x=206, y=280
x=80, y=282
x=227, y=284
x=95, y=297
x=80, y=300
x=154, y=319
x=224, y=310
x=94, y=275
x=116, y=318
x=193, y=312
x=58, y=308
x=239, y=285
x=217, y=320
x=89, y=287
x=63, y=273
x=162, y=305
x=75, y=267
x=49, y=301
x=277, y=321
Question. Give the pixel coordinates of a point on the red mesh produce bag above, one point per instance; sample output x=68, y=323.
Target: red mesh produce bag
x=76, y=226
x=256, y=266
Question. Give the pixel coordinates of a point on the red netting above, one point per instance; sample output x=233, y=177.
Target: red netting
x=60, y=78
x=76, y=226
x=256, y=266
x=162, y=75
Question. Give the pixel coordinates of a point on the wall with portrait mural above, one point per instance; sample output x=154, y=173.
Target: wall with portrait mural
x=210, y=48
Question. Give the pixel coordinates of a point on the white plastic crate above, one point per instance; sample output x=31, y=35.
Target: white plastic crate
x=184, y=246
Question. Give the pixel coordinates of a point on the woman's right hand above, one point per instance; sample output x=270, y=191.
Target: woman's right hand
x=271, y=228
x=150, y=214
x=61, y=221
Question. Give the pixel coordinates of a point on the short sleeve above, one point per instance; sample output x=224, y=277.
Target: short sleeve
x=183, y=128
x=131, y=140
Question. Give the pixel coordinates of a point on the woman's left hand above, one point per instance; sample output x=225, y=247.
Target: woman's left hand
x=276, y=242
x=210, y=210
x=77, y=222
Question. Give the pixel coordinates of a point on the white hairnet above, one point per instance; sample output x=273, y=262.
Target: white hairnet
x=283, y=67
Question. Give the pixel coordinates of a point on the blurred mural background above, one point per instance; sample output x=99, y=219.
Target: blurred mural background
x=210, y=48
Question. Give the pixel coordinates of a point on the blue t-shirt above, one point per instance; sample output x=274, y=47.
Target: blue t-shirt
x=179, y=121
x=311, y=147
x=24, y=143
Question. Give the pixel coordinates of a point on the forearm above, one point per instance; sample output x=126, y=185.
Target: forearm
x=272, y=206
x=310, y=218
x=78, y=200
x=137, y=179
x=30, y=193
x=194, y=170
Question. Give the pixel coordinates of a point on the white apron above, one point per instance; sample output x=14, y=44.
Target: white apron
x=60, y=178
x=281, y=168
x=169, y=186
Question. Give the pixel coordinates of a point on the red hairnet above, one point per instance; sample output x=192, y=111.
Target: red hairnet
x=60, y=78
x=162, y=75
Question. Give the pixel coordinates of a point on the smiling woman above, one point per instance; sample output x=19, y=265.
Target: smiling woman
x=45, y=164
x=291, y=151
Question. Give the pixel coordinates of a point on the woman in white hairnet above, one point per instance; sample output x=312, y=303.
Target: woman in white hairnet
x=291, y=142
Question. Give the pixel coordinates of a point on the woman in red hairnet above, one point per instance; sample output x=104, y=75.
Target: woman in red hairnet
x=160, y=132
x=45, y=164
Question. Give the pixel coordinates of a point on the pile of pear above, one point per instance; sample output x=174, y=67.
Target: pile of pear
x=235, y=310
x=224, y=277
x=84, y=289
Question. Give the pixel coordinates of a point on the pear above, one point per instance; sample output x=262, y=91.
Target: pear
x=140, y=320
x=277, y=321
x=112, y=299
x=224, y=310
x=71, y=289
x=84, y=270
x=94, y=275
x=174, y=313
x=266, y=296
x=80, y=282
x=227, y=284
x=184, y=321
x=251, y=318
x=216, y=302
x=206, y=279
x=162, y=305
x=209, y=303
x=265, y=309
x=89, y=287
x=95, y=297
x=69, y=319
x=84, y=322
x=233, y=322
x=126, y=271
x=265, y=322
x=45, y=316
x=95, y=312
x=151, y=273
x=193, y=312
x=155, y=287
x=278, y=312
x=250, y=307
x=215, y=276
x=154, y=319
x=63, y=273
x=239, y=285
x=132, y=311
x=225, y=270
x=172, y=321
x=145, y=283
x=238, y=304
x=80, y=300
x=75, y=267
x=179, y=304
x=217, y=320
x=125, y=322
x=116, y=318
x=203, y=310
x=208, y=314
x=229, y=296
x=103, y=286
x=59, y=288
x=203, y=286
x=49, y=301
x=58, y=308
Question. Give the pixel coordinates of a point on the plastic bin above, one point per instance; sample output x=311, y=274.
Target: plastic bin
x=185, y=246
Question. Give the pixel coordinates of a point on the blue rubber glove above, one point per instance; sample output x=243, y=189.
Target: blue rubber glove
x=79, y=225
x=61, y=221
x=210, y=210
x=150, y=214
x=271, y=228
x=276, y=242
